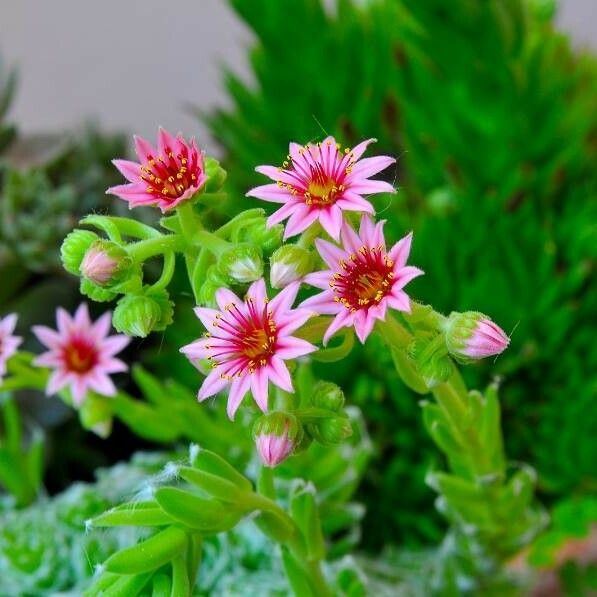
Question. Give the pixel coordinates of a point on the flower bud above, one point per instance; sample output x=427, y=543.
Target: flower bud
x=472, y=335
x=331, y=431
x=136, y=315
x=106, y=264
x=95, y=414
x=74, y=247
x=243, y=264
x=268, y=239
x=288, y=264
x=276, y=435
x=162, y=298
x=327, y=395
x=216, y=175
x=96, y=293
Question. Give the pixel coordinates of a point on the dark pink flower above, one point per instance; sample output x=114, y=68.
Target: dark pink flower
x=247, y=343
x=81, y=354
x=319, y=181
x=8, y=342
x=472, y=335
x=166, y=176
x=273, y=448
x=364, y=279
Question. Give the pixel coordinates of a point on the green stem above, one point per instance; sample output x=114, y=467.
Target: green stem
x=190, y=223
x=212, y=242
x=167, y=272
x=144, y=249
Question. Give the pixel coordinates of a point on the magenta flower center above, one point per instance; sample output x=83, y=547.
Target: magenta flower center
x=171, y=176
x=364, y=279
x=247, y=339
x=80, y=355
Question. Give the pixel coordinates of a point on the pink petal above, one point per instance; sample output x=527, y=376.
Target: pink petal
x=212, y=384
x=322, y=303
x=352, y=202
x=369, y=187
x=284, y=300
x=319, y=279
x=295, y=320
x=81, y=319
x=330, y=253
x=363, y=325
x=259, y=388
x=257, y=291
x=8, y=324
x=405, y=274
x=207, y=316
x=130, y=170
x=270, y=192
x=47, y=336
x=114, y=344
x=102, y=384
x=56, y=382
x=166, y=142
x=283, y=213
x=225, y=297
x=78, y=389
x=64, y=321
x=238, y=390
x=342, y=319
x=331, y=220
x=102, y=326
x=48, y=359
x=144, y=149
x=279, y=374
x=399, y=300
x=301, y=218
x=112, y=365
x=369, y=166
x=350, y=239
x=291, y=348
x=359, y=149
x=400, y=251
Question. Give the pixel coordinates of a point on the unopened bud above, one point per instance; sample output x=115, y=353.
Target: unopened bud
x=472, y=335
x=106, y=264
x=288, y=264
x=74, y=247
x=136, y=315
x=243, y=263
x=276, y=435
x=331, y=431
x=216, y=175
x=267, y=238
x=327, y=395
x=96, y=293
x=162, y=298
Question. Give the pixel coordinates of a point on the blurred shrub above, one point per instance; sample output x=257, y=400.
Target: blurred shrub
x=8, y=83
x=490, y=111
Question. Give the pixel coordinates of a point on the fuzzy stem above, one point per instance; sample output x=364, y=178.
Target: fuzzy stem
x=145, y=249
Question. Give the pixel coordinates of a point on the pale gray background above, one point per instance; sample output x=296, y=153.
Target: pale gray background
x=134, y=64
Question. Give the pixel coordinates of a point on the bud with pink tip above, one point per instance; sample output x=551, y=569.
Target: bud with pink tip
x=472, y=335
x=106, y=264
x=276, y=435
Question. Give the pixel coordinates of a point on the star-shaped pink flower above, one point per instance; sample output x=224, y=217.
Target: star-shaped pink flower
x=8, y=342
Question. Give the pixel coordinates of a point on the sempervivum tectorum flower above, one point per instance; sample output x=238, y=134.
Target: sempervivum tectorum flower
x=319, y=181
x=363, y=279
x=166, y=176
x=247, y=343
x=8, y=342
x=81, y=354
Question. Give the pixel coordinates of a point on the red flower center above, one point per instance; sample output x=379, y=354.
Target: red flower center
x=171, y=176
x=250, y=339
x=80, y=355
x=365, y=279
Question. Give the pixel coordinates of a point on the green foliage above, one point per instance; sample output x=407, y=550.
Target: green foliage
x=490, y=112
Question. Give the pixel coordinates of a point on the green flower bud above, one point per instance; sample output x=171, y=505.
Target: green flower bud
x=207, y=293
x=331, y=431
x=74, y=247
x=431, y=359
x=243, y=264
x=162, y=298
x=214, y=276
x=107, y=264
x=327, y=395
x=269, y=239
x=276, y=435
x=216, y=175
x=288, y=264
x=95, y=415
x=136, y=315
x=95, y=293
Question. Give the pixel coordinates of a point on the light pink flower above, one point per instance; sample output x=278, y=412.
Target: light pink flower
x=8, y=342
x=272, y=448
x=364, y=279
x=165, y=177
x=247, y=343
x=98, y=266
x=319, y=181
x=81, y=354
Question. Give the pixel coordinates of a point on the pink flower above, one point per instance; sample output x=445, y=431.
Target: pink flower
x=272, y=448
x=318, y=182
x=364, y=279
x=8, y=342
x=472, y=335
x=81, y=354
x=248, y=342
x=165, y=177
